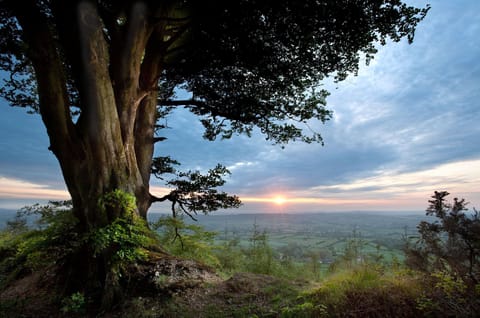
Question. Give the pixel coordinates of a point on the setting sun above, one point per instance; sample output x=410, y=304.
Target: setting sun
x=279, y=200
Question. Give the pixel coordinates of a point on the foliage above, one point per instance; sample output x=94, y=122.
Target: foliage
x=124, y=238
x=102, y=73
x=352, y=254
x=195, y=192
x=231, y=256
x=448, y=296
x=126, y=235
x=304, y=310
x=117, y=203
x=48, y=241
x=369, y=287
x=260, y=255
x=53, y=237
x=186, y=240
x=449, y=244
x=265, y=73
x=76, y=304
x=193, y=241
x=447, y=252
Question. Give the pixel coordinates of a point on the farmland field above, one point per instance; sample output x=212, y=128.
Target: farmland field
x=326, y=234
x=301, y=234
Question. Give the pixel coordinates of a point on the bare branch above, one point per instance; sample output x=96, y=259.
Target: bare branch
x=160, y=199
x=186, y=212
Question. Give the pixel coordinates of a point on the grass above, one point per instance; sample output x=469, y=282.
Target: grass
x=358, y=290
x=363, y=291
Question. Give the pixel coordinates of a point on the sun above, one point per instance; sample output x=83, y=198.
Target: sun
x=279, y=200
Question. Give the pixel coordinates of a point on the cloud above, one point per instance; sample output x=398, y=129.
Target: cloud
x=20, y=189
x=460, y=178
x=241, y=164
x=387, y=191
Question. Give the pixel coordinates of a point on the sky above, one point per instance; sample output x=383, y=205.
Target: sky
x=406, y=126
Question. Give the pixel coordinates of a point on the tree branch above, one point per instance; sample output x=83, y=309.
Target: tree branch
x=160, y=199
x=50, y=74
x=126, y=53
x=158, y=139
x=186, y=211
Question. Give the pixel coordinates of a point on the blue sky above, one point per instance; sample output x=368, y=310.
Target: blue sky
x=406, y=126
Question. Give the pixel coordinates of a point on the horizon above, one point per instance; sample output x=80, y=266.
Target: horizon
x=394, y=138
x=234, y=212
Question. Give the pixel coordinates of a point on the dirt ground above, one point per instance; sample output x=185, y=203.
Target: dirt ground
x=167, y=287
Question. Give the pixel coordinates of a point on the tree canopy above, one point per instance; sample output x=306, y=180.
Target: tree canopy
x=245, y=63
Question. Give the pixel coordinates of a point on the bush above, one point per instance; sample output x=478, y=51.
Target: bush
x=76, y=303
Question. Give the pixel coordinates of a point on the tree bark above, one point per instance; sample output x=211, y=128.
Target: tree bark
x=110, y=146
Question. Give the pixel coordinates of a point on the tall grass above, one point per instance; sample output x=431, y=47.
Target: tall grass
x=364, y=291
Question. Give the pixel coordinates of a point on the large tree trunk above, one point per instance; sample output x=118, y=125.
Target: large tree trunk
x=110, y=146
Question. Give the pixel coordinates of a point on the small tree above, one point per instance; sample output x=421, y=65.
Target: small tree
x=260, y=253
x=451, y=243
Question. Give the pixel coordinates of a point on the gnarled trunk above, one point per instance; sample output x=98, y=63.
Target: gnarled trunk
x=110, y=146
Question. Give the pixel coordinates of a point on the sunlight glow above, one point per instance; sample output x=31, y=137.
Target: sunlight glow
x=279, y=200
x=388, y=190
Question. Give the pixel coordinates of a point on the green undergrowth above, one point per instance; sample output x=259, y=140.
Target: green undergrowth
x=53, y=236
x=353, y=286
x=52, y=240
x=184, y=240
x=25, y=249
x=364, y=291
x=257, y=281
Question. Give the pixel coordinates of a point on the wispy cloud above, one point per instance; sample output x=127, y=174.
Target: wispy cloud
x=461, y=176
x=15, y=188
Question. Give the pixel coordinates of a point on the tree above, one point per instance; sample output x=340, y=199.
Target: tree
x=448, y=253
x=103, y=74
x=451, y=243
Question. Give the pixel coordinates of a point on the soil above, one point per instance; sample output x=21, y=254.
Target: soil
x=164, y=287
